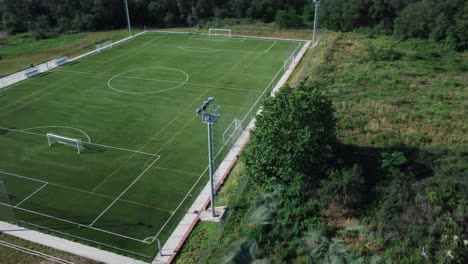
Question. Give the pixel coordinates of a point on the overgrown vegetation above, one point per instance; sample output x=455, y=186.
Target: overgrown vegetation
x=20, y=51
x=441, y=21
x=396, y=189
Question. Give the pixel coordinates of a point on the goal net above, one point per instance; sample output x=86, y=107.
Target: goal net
x=104, y=45
x=288, y=62
x=232, y=133
x=219, y=32
x=72, y=142
x=6, y=210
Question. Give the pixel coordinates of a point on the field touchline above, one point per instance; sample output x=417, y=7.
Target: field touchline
x=121, y=194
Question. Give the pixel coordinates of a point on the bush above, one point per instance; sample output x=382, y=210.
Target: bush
x=392, y=160
x=345, y=187
x=293, y=141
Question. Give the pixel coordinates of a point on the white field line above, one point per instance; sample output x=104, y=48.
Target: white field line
x=232, y=35
x=22, y=177
x=146, y=43
x=200, y=49
x=73, y=128
x=217, y=154
x=217, y=40
x=274, y=78
x=260, y=97
x=191, y=36
x=118, y=197
x=74, y=223
x=266, y=51
x=81, y=238
x=124, y=149
x=162, y=80
x=60, y=219
x=91, y=143
x=45, y=184
x=34, y=253
x=180, y=204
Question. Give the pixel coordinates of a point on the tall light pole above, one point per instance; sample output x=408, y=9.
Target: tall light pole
x=128, y=18
x=317, y=5
x=210, y=114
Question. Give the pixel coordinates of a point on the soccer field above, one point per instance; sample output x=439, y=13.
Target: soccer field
x=145, y=149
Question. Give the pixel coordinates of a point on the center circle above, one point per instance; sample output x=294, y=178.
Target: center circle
x=148, y=80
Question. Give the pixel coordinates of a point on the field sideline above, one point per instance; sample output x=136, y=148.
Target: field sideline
x=133, y=106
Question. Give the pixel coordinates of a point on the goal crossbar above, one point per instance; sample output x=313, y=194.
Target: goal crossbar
x=67, y=141
x=232, y=132
x=219, y=32
x=105, y=45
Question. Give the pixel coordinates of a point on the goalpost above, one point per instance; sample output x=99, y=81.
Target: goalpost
x=67, y=141
x=6, y=210
x=104, y=45
x=219, y=32
x=232, y=133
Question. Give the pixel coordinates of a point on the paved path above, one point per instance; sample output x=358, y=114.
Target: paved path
x=66, y=245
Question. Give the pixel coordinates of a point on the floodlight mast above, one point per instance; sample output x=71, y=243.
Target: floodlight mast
x=317, y=5
x=210, y=117
x=128, y=18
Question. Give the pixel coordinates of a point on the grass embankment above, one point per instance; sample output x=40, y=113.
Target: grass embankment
x=401, y=109
x=20, y=51
x=8, y=255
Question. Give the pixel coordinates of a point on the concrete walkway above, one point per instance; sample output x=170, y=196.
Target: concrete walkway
x=66, y=245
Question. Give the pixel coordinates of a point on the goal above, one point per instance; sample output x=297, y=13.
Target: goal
x=6, y=210
x=104, y=45
x=219, y=32
x=232, y=133
x=67, y=141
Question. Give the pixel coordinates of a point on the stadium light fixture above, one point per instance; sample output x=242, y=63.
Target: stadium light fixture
x=317, y=5
x=210, y=113
x=128, y=18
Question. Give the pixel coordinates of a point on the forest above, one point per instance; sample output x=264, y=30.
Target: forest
x=442, y=21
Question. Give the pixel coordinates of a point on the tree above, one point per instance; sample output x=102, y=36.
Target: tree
x=288, y=19
x=293, y=140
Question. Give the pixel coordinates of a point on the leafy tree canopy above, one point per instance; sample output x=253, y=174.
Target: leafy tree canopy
x=293, y=140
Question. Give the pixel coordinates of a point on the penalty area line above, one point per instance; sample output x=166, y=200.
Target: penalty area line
x=121, y=194
x=266, y=51
x=45, y=184
x=85, y=143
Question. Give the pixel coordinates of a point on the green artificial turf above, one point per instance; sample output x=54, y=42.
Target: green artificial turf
x=136, y=104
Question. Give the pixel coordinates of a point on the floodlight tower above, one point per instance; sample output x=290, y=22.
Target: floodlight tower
x=210, y=114
x=128, y=18
x=317, y=5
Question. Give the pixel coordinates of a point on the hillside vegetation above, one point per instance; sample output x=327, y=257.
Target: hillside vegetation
x=395, y=189
x=443, y=21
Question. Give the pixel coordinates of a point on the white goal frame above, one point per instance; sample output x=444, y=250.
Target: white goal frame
x=105, y=45
x=232, y=133
x=67, y=141
x=212, y=32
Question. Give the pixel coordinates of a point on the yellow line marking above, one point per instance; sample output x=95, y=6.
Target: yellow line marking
x=235, y=66
x=183, y=172
x=109, y=197
x=30, y=102
x=25, y=97
x=147, y=142
x=172, y=138
x=248, y=65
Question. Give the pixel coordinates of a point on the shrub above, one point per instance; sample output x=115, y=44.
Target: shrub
x=344, y=187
